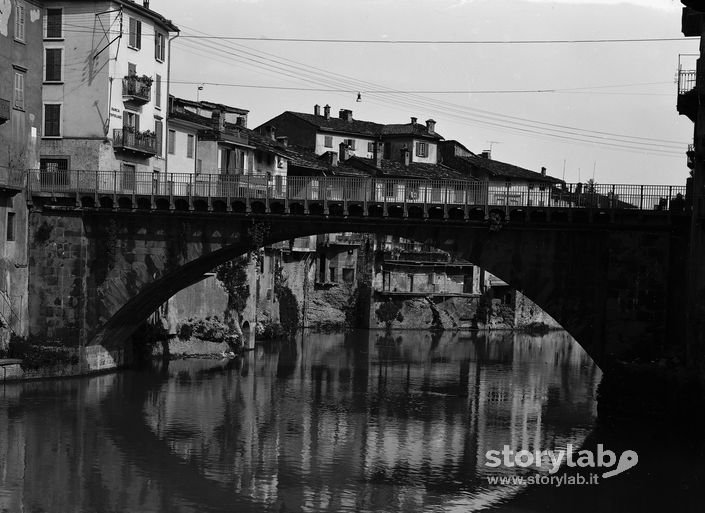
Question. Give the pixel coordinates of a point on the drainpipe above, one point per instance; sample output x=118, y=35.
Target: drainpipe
x=168, y=93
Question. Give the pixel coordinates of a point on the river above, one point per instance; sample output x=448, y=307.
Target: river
x=356, y=422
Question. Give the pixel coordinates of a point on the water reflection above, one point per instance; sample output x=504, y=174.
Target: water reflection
x=364, y=421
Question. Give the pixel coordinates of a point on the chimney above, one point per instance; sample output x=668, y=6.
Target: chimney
x=218, y=121
x=326, y=111
x=378, y=152
x=333, y=158
x=543, y=171
x=413, y=120
x=431, y=126
x=146, y=4
x=345, y=115
x=272, y=131
x=316, y=110
x=486, y=154
x=344, y=152
x=283, y=140
x=405, y=156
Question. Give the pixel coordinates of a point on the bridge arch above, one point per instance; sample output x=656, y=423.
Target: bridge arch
x=608, y=284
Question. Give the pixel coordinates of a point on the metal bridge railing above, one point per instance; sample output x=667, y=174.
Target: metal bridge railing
x=343, y=190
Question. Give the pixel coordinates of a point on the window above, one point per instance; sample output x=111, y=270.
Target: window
x=128, y=177
x=18, y=101
x=421, y=149
x=131, y=69
x=171, y=142
x=52, y=120
x=190, y=139
x=348, y=275
x=54, y=171
x=135, y=40
x=350, y=143
x=19, y=22
x=52, y=64
x=158, y=91
x=159, y=132
x=54, y=29
x=10, y=226
x=131, y=120
x=387, y=152
x=333, y=276
x=159, y=47
x=370, y=147
x=328, y=141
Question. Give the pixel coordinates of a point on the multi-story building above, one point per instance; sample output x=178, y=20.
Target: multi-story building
x=21, y=64
x=105, y=82
x=691, y=91
x=323, y=133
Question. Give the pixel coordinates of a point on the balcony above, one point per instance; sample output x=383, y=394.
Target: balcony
x=129, y=140
x=4, y=111
x=137, y=90
x=688, y=94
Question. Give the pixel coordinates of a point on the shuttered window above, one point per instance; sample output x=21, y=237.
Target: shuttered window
x=52, y=64
x=135, y=34
x=19, y=90
x=20, y=22
x=190, y=141
x=159, y=46
x=171, y=142
x=158, y=91
x=159, y=131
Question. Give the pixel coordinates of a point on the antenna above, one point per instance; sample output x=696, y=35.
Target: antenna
x=491, y=143
x=594, y=165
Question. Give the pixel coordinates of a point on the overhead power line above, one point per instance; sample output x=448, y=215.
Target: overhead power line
x=441, y=41
x=476, y=116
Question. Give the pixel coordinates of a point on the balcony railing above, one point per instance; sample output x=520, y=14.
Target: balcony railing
x=128, y=139
x=137, y=89
x=687, y=80
x=4, y=111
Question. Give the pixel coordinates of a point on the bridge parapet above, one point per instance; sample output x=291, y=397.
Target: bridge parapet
x=316, y=194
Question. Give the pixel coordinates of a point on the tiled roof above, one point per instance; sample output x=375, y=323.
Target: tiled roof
x=365, y=128
x=332, y=124
x=416, y=130
x=320, y=164
x=497, y=169
x=396, y=169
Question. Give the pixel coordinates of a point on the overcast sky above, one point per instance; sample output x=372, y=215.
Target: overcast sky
x=614, y=94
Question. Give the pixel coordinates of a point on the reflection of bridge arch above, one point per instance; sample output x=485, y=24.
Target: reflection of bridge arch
x=604, y=282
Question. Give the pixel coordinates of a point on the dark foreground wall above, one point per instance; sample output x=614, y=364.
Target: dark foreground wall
x=95, y=275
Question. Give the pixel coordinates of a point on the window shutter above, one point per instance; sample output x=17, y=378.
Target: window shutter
x=158, y=90
x=19, y=90
x=133, y=32
x=139, y=35
x=19, y=22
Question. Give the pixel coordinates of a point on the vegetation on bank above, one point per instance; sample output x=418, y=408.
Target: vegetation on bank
x=37, y=354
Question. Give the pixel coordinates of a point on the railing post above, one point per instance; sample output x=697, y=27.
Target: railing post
x=445, y=201
x=670, y=196
x=425, y=200
x=384, y=197
x=78, y=194
x=506, y=202
x=466, y=209
x=346, y=192
x=248, y=203
x=323, y=187
x=486, y=187
x=210, y=192
x=285, y=180
x=115, y=202
x=133, y=198
x=171, y=192
x=267, y=194
x=95, y=189
x=406, y=197
x=641, y=198
x=189, y=192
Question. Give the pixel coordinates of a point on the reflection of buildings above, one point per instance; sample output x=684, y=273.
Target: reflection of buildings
x=337, y=423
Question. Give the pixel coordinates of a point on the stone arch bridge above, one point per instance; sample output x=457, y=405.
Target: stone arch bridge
x=106, y=249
